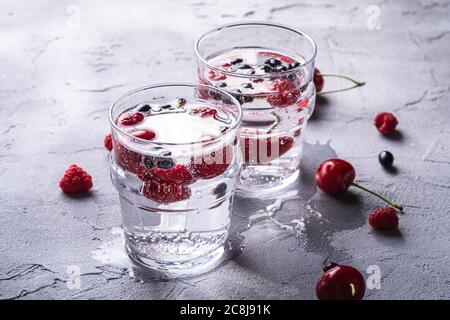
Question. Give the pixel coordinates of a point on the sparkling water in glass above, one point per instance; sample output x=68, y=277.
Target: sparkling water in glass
x=176, y=164
x=269, y=69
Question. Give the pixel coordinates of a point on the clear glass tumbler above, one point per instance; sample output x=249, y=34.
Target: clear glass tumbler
x=176, y=164
x=269, y=68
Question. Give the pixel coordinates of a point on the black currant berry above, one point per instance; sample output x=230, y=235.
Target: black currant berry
x=247, y=85
x=273, y=62
x=158, y=162
x=145, y=108
x=386, y=159
x=236, y=61
x=220, y=190
x=244, y=66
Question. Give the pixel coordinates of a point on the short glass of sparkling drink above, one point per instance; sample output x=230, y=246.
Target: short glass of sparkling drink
x=176, y=164
x=269, y=68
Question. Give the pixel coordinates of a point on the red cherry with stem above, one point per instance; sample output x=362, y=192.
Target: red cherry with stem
x=335, y=176
x=341, y=282
x=319, y=81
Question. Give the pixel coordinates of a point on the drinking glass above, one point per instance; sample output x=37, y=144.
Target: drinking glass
x=269, y=68
x=175, y=164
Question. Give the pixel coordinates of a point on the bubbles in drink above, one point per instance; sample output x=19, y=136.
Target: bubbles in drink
x=168, y=157
x=277, y=97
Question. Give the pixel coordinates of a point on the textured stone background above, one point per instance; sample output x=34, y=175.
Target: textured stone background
x=62, y=65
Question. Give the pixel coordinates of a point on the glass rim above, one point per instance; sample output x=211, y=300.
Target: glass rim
x=174, y=84
x=255, y=23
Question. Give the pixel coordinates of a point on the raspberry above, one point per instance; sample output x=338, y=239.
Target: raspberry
x=165, y=192
x=204, y=111
x=384, y=218
x=216, y=76
x=264, y=154
x=285, y=93
x=129, y=119
x=127, y=159
x=144, y=134
x=318, y=80
x=178, y=174
x=385, y=122
x=75, y=180
x=108, y=142
x=212, y=165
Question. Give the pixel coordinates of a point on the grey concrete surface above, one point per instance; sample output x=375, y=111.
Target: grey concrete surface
x=62, y=64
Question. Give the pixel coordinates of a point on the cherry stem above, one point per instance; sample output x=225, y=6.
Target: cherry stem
x=393, y=204
x=357, y=83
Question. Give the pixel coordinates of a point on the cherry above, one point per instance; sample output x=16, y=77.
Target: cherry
x=319, y=81
x=385, y=122
x=335, y=176
x=340, y=282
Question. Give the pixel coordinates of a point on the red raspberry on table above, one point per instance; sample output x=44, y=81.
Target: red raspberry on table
x=318, y=80
x=178, y=174
x=385, y=122
x=213, y=164
x=384, y=218
x=165, y=192
x=204, y=111
x=108, y=142
x=262, y=150
x=75, y=180
x=284, y=93
x=129, y=118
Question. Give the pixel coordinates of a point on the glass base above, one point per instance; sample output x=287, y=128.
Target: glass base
x=166, y=269
x=269, y=185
